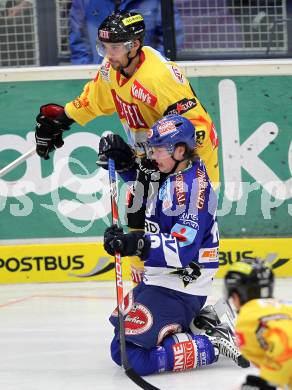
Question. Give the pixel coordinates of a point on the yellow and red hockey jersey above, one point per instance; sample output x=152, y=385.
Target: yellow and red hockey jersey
x=157, y=88
x=264, y=335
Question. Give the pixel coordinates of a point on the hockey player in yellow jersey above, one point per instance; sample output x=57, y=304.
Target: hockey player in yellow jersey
x=264, y=325
x=142, y=87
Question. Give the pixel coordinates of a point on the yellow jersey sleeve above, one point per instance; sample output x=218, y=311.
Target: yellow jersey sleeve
x=95, y=100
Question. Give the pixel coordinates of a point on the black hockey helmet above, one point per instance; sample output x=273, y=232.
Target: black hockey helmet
x=250, y=279
x=122, y=27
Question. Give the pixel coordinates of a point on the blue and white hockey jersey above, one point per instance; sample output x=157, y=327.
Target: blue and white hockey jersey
x=182, y=226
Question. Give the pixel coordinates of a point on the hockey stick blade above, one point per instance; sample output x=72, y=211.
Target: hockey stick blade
x=119, y=286
x=139, y=380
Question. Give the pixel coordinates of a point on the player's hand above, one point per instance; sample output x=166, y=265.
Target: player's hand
x=131, y=244
x=253, y=382
x=51, y=122
x=113, y=146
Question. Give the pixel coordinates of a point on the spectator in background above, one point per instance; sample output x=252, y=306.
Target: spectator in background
x=209, y=24
x=16, y=8
x=87, y=15
x=17, y=32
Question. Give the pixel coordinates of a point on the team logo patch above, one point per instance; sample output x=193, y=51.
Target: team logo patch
x=167, y=330
x=139, y=92
x=139, y=320
x=165, y=128
x=184, y=356
x=132, y=19
x=104, y=71
x=104, y=34
x=180, y=107
x=77, y=103
x=207, y=255
x=176, y=74
x=185, y=234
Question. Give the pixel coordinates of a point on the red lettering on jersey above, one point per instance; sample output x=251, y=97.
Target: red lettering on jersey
x=183, y=356
x=214, y=136
x=138, y=91
x=130, y=112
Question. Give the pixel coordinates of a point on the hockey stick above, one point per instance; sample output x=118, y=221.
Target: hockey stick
x=17, y=162
x=119, y=285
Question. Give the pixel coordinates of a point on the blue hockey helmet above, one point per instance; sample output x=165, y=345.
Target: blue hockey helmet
x=172, y=130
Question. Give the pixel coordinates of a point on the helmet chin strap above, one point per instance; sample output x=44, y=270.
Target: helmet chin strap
x=129, y=62
x=175, y=165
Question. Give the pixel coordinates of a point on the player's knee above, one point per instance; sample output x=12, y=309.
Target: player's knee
x=143, y=361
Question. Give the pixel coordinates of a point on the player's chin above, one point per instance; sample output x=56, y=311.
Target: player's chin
x=162, y=168
x=115, y=65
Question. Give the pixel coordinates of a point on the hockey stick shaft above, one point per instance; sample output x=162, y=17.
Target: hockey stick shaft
x=17, y=162
x=119, y=285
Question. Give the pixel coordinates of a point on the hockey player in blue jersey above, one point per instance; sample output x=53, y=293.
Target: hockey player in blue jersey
x=180, y=253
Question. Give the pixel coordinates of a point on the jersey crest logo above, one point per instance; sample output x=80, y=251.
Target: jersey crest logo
x=139, y=92
x=139, y=320
x=176, y=74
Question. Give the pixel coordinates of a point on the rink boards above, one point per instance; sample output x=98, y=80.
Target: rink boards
x=86, y=261
x=61, y=202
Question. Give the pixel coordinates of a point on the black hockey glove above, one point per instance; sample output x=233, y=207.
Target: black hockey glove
x=148, y=170
x=113, y=146
x=131, y=244
x=51, y=122
x=253, y=382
